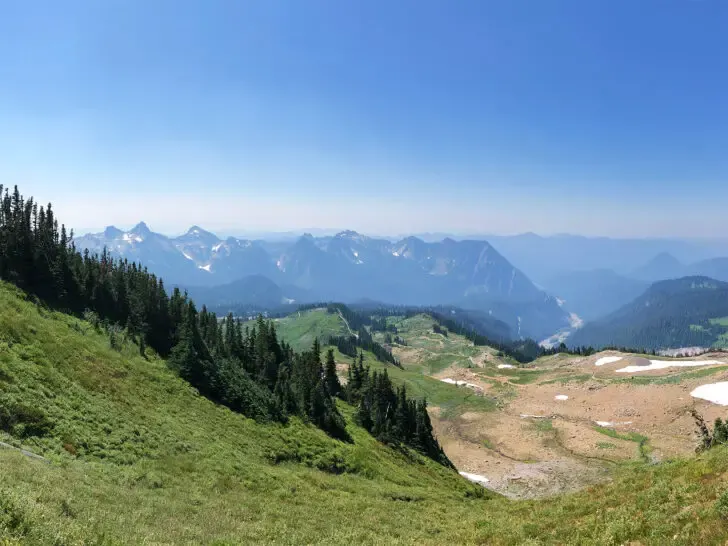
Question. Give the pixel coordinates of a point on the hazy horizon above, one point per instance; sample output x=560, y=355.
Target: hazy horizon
x=327, y=232
x=475, y=117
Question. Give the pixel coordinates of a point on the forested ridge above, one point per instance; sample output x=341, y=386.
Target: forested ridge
x=686, y=312
x=470, y=326
x=246, y=369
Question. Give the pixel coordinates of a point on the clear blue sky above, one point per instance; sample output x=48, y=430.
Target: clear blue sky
x=585, y=116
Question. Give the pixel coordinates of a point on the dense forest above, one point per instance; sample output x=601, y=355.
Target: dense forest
x=248, y=370
x=687, y=312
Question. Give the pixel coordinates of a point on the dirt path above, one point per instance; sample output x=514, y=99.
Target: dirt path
x=348, y=327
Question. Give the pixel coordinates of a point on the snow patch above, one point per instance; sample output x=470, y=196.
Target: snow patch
x=395, y=253
x=187, y=256
x=505, y=366
x=608, y=424
x=713, y=392
x=575, y=321
x=477, y=478
x=662, y=364
x=206, y=267
x=129, y=238
x=460, y=383
x=561, y=397
x=216, y=248
x=607, y=360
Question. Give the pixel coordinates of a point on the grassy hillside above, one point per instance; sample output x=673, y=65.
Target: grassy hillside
x=301, y=328
x=135, y=455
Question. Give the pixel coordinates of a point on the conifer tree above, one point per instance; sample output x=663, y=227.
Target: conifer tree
x=332, y=380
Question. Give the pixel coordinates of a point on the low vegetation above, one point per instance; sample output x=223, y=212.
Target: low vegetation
x=137, y=456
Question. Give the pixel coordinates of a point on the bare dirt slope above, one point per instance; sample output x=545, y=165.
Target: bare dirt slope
x=562, y=422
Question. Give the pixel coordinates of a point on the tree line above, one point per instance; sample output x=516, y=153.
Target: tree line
x=388, y=414
x=246, y=369
x=352, y=345
x=362, y=340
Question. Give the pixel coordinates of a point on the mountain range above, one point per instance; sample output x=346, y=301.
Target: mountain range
x=345, y=267
x=545, y=257
x=596, y=293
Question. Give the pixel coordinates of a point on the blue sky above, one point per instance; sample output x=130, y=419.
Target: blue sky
x=604, y=117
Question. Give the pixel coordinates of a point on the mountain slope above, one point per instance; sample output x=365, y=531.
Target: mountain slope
x=254, y=291
x=136, y=456
x=134, y=449
x=349, y=267
x=690, y=311
x=715, y=268
x=595, y=293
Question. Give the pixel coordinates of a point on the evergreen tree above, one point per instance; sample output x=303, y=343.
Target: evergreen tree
x=332, y=380
x=720, y=431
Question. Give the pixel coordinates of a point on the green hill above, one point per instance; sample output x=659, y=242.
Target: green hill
x=301, y=328
x=135, y=455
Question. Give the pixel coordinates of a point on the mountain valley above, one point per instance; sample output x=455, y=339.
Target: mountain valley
x=125, y=410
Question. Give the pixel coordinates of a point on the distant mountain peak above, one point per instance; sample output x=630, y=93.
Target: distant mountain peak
x=665, y=257
x=140, y=229
x=661, y=266
x=349, y=234
x=412, y=240
x=197, y=231
x=112, y=232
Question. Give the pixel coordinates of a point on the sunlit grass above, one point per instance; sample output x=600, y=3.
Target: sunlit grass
x=136, y=456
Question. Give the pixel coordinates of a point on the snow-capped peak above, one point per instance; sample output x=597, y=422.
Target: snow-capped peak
x=140, y=229
x=351, y=235
x=132, y=237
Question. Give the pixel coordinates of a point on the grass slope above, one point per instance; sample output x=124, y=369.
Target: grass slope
x=300, y=328
x=136, y=456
